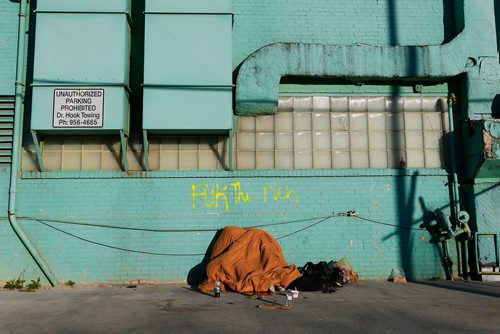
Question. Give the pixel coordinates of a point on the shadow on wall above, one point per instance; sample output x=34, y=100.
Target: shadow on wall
x=453, y=20
x=406, y=189
x=29, y=74
x=450, y=24
x=198, y=273
x=405, y=204
x=495, y=106
x=429, y=219
x=405, y=197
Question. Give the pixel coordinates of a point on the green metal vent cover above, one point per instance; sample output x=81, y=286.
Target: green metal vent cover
x=188, y=66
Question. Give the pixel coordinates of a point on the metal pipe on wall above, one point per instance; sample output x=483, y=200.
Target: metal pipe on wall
x=20, y=91
x=455, y=199
x=455, y=204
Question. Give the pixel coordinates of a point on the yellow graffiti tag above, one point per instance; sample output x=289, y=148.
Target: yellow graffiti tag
x=195, y=194
x=211, y=195
x=213, y=199
x=240, y=195
x=277, y=194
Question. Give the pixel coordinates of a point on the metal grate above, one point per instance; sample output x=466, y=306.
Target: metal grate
x=487, y=253
x=6, y=129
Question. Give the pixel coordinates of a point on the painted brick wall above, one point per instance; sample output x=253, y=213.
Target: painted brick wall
x=261, y=22
x=166, y=200
x=13, y=255
x=4, y=189
x=167, y=203
x=8, y=45
x=15, y=258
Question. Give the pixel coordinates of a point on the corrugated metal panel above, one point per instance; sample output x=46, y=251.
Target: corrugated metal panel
x=6, y=129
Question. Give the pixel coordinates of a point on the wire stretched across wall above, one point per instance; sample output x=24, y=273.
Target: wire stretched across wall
x=317, y=221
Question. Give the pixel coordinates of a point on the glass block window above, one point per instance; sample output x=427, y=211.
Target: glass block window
x=188, y=153
x=103, y=153
x=345, y=132
x=81, y=154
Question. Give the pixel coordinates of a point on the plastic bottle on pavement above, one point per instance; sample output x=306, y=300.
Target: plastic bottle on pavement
x=288, y=300
x=217, y=289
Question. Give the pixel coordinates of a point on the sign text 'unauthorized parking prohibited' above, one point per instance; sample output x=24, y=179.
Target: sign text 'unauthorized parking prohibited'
x=78, y=108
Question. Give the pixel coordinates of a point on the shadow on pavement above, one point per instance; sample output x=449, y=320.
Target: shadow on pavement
x=490, y=289
x=198, y=273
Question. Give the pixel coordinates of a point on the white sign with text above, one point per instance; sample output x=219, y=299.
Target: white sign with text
x=78, y=108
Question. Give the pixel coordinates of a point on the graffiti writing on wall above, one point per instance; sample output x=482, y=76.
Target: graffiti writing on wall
x=220, y=195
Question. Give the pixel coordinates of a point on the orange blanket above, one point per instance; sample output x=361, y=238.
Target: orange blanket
x=248, y=261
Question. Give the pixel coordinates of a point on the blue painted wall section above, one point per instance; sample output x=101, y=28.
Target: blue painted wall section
x=260, y=74
x=8, y=45
x=337, y=22
x=116, y=227
x=186, y=202
x=14, y=257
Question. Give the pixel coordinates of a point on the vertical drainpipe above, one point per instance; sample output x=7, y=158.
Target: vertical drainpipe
x=20, y=91
x=462, y=245
x=454, y=181
x=455, y=200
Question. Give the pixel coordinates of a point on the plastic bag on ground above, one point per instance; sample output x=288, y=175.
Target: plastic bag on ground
x=397, y=276
x=347, y=274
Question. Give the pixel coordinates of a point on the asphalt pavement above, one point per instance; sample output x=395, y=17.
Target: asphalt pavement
x=364, y=307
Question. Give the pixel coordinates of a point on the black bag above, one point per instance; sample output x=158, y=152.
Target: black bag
x=317, y=277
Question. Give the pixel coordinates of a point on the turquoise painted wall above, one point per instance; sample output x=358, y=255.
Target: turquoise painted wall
x=8, y=45
x=4, y=190
x=13, y=255
x=167, y=202
x=337, y=22
x=497, y=19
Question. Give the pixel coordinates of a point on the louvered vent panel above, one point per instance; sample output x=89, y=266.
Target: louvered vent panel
x=6, y=129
